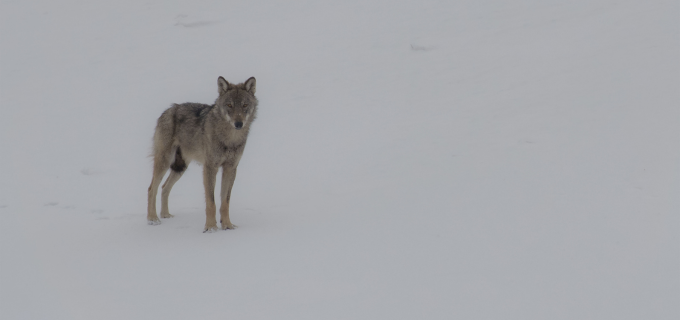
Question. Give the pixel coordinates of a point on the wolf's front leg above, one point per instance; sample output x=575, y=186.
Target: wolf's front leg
x=228, y=176
x=209, y=173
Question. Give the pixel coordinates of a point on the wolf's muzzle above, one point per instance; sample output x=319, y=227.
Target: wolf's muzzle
x=238, y=125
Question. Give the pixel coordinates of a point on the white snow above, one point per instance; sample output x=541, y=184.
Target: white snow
x=411, y=160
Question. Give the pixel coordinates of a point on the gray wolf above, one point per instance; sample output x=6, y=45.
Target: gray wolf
x=213, y=135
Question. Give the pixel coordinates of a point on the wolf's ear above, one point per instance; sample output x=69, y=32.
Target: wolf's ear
x=222, y=85
x=250, y=85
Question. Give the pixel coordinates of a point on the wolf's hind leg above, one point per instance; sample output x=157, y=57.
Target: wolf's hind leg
x=160, y=167
x=165, y=193
x=177, y=170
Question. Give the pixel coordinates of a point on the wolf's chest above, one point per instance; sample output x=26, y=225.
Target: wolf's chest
x=229, y=154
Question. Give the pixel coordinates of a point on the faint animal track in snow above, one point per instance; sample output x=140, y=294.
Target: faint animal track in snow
x=528, y=141
x=97, y=211
x=51, y=204
x=194, y=24
x=427, y=43
x=3, y=206
x=421, y=48
x=102, y=218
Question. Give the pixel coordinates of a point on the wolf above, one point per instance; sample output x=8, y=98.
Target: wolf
x=213, y=135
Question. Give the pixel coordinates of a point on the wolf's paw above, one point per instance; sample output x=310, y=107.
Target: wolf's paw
x=227, y=226
x=166, y=215
x=153, y=221
x=210, y=229
x=210, y=226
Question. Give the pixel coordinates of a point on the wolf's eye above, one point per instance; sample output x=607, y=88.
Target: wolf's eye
x=245, y=105
x=230, y=106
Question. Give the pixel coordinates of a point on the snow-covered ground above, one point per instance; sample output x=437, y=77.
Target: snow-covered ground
x=411, y=160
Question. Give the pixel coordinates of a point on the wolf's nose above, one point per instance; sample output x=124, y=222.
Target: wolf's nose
x=238, y=125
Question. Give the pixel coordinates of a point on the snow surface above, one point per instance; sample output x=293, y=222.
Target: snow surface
x=411, y=160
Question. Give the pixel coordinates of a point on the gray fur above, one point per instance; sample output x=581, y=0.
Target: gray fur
x=210, y=135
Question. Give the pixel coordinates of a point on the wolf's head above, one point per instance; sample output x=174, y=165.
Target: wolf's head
x=237, y=102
